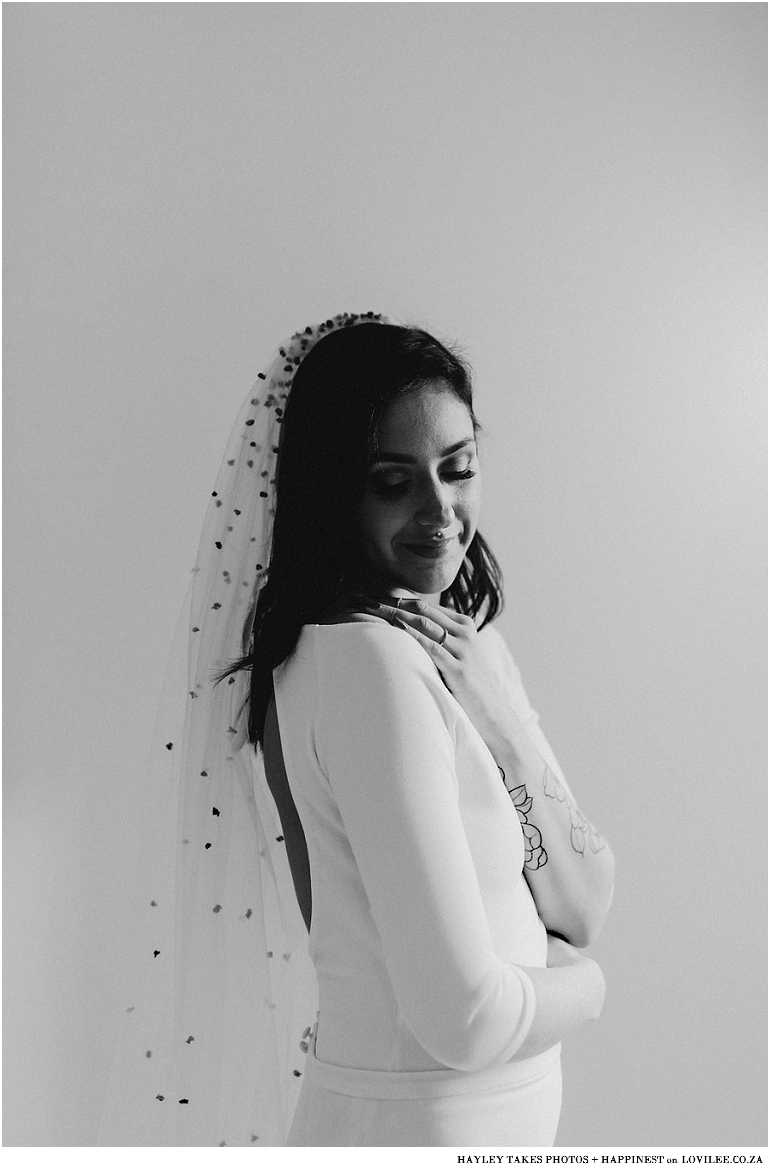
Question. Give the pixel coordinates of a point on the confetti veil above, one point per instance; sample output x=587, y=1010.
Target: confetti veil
x=219, y=1011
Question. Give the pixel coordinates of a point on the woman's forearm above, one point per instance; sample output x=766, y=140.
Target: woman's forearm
x=568, y=865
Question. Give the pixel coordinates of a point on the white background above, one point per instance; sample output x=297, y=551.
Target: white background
x=575, y=193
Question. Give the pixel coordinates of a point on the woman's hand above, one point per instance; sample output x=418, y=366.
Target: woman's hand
x=561, y=954
x=452, y=642
x=568, y=993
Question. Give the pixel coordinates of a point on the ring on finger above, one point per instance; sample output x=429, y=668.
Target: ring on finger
x=442, y=641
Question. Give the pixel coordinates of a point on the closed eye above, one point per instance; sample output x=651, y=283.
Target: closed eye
x=383, y=487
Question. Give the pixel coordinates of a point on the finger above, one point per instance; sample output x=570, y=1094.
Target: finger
x=458, y=617
x=438, y=651
x=443, y=616
x=393, y=611
x=388, y=611
x=438, y=632
x=418, y=624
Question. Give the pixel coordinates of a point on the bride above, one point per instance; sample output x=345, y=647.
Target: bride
x=445, y=875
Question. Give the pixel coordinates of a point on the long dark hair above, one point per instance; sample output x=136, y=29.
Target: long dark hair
x=328, y=440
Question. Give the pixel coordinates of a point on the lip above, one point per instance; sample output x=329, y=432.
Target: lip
x=431, y=550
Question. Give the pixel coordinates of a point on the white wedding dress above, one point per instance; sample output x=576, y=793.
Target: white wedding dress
x=421, y=916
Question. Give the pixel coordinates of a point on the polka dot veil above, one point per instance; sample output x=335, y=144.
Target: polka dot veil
x=220, y=1000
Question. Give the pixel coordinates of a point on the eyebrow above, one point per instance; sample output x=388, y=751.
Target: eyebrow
x=404, y=458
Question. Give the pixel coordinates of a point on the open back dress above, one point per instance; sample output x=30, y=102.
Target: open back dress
x=421, y=915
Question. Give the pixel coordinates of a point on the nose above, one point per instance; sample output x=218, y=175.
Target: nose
x=435, y=511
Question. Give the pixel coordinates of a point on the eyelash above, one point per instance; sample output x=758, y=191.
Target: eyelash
x=396, y=490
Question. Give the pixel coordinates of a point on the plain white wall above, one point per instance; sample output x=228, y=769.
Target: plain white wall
x=576, y=194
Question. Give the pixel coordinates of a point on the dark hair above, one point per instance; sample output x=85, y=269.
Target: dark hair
x=328, y=439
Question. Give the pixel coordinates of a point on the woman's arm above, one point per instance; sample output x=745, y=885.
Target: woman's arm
x=569, y=867
x=384, y=745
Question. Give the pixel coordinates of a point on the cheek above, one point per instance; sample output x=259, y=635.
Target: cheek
x=376, y=525
x=470, y=502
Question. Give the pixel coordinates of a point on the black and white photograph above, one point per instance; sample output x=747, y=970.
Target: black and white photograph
x=385, y=592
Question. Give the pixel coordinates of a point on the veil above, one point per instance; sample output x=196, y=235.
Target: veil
x=221, y=998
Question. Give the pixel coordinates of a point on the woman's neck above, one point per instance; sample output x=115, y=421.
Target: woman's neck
x=396, y=593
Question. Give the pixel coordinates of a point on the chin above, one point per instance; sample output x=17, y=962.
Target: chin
x=431, y=581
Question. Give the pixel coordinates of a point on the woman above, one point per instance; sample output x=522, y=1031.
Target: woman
x=437, y=855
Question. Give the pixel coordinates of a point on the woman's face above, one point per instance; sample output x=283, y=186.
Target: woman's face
x=426, y=480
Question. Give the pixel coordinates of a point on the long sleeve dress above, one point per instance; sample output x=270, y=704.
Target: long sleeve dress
x=421, y=916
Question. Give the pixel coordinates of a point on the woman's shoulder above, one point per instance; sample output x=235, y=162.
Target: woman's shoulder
x=363, y=648
x=348, y=617
x=353, y=632
x=353, y=629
